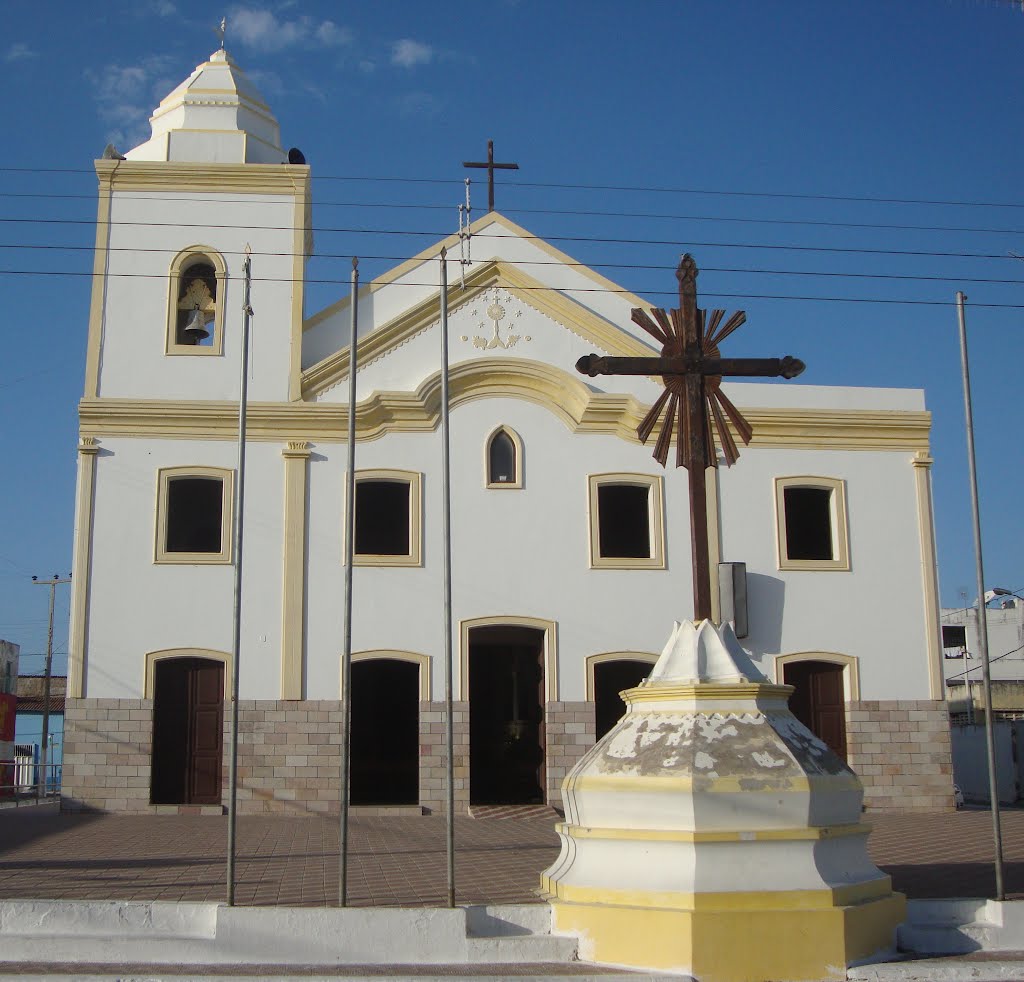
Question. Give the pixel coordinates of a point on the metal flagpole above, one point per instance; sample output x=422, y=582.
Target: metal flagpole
x=986, y=677
x=446, y=534
x=346, y=651
x=243, y=394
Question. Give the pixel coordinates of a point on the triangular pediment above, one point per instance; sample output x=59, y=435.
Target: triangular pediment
x=552, y=303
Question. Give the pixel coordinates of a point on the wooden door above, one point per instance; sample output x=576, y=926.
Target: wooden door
x=819, y=701
x=206, y=731
x=188, y=726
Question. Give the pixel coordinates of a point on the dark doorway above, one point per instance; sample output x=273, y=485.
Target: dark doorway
x=818, y=700
x=506, y=716
x=385, y=732
x=610, y=678
x=188, y=732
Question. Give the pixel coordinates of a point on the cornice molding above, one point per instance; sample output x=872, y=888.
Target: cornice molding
x=579, y=407
x=147, y=175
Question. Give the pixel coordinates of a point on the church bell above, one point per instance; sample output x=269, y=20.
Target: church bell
x=195, y=330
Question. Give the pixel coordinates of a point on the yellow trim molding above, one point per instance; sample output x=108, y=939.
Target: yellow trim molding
x=922, y=464
x=414, y=480
x=148, y=175
x=179, y=265
x=850, y=663
x=581, y=409
x=164, y=477
x=293, y=569
x=152, y=657
x=414, y=657
x=519, y=462
x=550, y=629
x=100, y=264
x=840, y=560
x=655, y=520
x=592, y=661
x=81, y=575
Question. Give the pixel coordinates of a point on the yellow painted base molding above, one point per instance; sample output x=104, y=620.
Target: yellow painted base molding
x=733, y=945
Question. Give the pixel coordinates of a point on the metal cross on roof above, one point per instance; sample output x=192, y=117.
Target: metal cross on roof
x=691, y=369
x=491, y=167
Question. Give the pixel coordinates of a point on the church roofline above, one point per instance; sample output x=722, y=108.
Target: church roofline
x=383, y=338
x=450, y=243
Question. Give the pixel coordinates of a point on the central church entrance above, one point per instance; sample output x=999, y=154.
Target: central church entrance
x=506, y=716
x=188, y=731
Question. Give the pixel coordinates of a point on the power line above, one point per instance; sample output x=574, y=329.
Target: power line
x=549, y=289
x=645, y=189
x=673, y=243
x=846, y=274
x=572, y=212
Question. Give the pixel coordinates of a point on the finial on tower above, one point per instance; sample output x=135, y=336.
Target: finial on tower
x=221, y=31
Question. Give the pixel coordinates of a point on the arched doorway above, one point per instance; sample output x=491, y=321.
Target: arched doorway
x=188, y=731
x=385, y=732
x=818, y=700
x=611, y=676
x=506, y=715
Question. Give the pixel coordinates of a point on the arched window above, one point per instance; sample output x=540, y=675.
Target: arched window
x=504, y=459
x=195, y=317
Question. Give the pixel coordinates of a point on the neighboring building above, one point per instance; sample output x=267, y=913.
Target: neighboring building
x=8, y=713
x=31, y=700
x=571, y=545
x=1004, y=618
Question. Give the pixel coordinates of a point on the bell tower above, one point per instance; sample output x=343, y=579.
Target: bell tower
x=176, y=215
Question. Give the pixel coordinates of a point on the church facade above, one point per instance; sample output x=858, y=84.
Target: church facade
x=571, y=546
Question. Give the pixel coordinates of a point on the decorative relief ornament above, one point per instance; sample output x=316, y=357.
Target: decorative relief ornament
x=197, y=297
x=496, y=312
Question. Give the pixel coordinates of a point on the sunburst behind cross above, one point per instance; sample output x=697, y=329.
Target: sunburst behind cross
x=668, y=329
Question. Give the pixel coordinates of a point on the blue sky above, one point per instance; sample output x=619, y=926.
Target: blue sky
x=826, y=163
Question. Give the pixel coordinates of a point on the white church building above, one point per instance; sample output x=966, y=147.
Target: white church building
x=571, y=545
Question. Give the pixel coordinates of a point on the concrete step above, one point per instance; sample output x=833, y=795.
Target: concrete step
x=526, y=949
x=959, y=926
x=352, y=973
x=980, y=967
x=164, y=935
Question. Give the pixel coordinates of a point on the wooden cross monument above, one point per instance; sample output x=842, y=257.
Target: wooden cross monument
x=691, y=369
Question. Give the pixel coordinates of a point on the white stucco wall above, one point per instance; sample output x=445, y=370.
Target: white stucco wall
x=871, y=611
x=148, y=229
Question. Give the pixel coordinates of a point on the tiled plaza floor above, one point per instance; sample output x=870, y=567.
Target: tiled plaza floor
x=401, y=860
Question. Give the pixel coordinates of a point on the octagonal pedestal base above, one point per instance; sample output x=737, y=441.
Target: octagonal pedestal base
x=734, y=944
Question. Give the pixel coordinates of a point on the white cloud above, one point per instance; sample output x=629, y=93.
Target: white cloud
x=164, y=8
x=125, y=96
x=419, y=104
x=19, y=51
x=261, y=29
x=269, y=83
x=409, y=53
x=329, y=34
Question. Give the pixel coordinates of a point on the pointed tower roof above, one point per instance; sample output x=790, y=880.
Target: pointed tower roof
x=215, y=116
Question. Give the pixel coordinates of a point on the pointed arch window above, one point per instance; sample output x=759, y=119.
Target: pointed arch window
x=195, y=314
x=504, y=459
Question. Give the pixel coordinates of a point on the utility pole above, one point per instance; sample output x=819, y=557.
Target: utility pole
x=44, y=742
